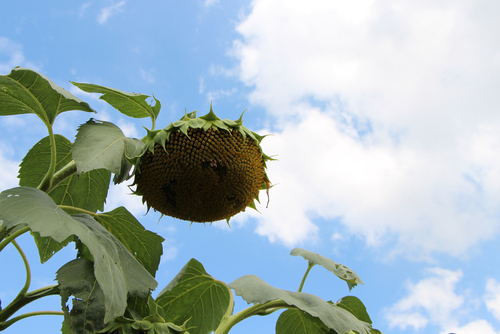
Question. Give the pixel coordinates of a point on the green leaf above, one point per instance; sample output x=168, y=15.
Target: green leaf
x=133, y=148
x=196, y=298
x=295, y=321
x=89, y=191
x=155, y=311
x=254, y=290
x=145, y=245
x=25, y=91
x=117, y=271
x=356, y=307
x=76, y=278
x=338, y=269
x=103, y=145
x=130, y=104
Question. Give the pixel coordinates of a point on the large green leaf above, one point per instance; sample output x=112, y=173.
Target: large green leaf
x=145, y=245
x=338, y=269
x=87, y=192
x=101, y=144
x=76, y=278
x=25, y=91
x=130, y=104
x=117, y=271
x=195, y=297
x=254, y=290
x=295, y=321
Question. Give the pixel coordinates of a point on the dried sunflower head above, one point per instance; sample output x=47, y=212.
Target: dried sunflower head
x=202, y=169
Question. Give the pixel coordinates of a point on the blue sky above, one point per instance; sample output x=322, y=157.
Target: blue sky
x=385, y=122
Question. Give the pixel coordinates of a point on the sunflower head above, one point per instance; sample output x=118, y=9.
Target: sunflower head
x=202, y=169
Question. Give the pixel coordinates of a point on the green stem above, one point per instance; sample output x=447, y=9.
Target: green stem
x=18, y=303
x=4, y=325
x=62, y=174
x=257, y=309
x=24, y=297
x=69, y=207
x=27, y=284
x=12, y=237
x=154, y=123
x=47, y=180
x=309, y=267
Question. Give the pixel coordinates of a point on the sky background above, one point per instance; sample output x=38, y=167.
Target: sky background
x=385, y=120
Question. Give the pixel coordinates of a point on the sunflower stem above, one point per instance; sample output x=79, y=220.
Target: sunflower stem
x=46, y=183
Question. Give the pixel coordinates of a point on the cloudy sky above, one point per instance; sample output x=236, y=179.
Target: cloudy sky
x=385, y=121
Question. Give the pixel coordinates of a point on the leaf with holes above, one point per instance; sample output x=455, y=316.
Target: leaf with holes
x=338, y=269
x=76, y=278
x=254, y=290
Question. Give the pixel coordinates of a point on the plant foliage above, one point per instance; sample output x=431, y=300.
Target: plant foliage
x=108, y=287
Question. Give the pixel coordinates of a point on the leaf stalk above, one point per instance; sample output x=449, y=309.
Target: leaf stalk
x=6, y=324
x=27, y=284
x=29, y=297
x=257, y=309
x=62, y=174
x=69, y=207
x=309, y=267
x=12, y=237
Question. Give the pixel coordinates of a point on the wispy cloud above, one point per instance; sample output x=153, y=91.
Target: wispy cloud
x=83, y=8
x=209, y=3
x=12, y=55
x=201, y=87
x=109, y=11
x=148, y=75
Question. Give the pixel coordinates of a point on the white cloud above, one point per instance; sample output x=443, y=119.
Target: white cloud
x=8, y=173
x=492, y=297
x=109, y=11
x=121, y=195
x=128, y=128
x=386, y=117
x=12, y=55
x=436, y=301
x=473, y=327
x=432, y=301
